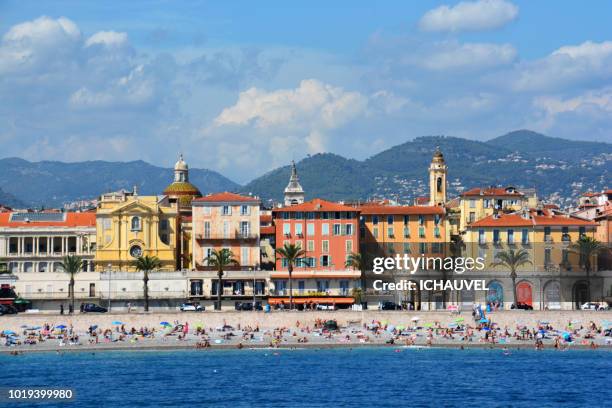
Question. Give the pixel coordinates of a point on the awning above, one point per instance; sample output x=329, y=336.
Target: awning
x=319, y=300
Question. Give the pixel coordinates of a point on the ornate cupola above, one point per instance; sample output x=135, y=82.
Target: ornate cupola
x=437, y=179
x=294, y=193
x=181, y=191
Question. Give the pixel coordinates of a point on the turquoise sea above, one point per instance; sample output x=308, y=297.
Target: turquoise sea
x=376, y=377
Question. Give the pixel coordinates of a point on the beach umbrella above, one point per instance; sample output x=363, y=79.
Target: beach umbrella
x=428, y=325
x=400, y=327
x=483, y=320
x=94, y=327
x=459, y=319
x=117, y=323
x=164, y=323
x=415, y=319
x=8, y=332
x=61, y=326
x=486, y=329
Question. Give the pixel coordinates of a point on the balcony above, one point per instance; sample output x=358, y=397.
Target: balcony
x=237, y=234
x=139, y=294
x=58, y=295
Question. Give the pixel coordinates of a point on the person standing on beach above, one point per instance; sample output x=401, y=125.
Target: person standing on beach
x=129, y=307
x=62, y=309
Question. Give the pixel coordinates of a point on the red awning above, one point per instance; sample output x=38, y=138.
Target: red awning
x=319, y=300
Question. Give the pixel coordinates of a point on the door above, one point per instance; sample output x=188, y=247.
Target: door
x=92, y=290
x=524, y=293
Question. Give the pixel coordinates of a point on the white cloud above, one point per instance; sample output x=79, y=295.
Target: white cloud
x=469, y=16
x=42, y=43
x=451, y=55
x=570, y=65
x=107, y=39
x=312, y=101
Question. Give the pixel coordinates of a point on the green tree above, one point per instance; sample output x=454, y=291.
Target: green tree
x=292, y=253
x=147, y=264
x=512, y=260
x=72, y=264
x=220, y=260
x=359, y=262
x=586, y=248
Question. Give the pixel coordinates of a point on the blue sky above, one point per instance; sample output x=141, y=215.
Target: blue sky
x=242, y=87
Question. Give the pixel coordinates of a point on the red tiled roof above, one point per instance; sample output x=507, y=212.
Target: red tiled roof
x=504, y=220
x=367, y=209
x=225, y=197
x=548, y=218
x=491, y=192
x=267, y=230
x=73, y=219
x=316, y=205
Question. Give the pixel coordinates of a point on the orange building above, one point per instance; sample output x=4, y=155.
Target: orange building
x=328, y=233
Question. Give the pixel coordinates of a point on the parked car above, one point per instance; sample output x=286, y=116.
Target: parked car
x=326, y=307
x=191, y=307
x=389, y=306
x=594, y=306
x=93, y=308
x=7, y=309
x=248, y=306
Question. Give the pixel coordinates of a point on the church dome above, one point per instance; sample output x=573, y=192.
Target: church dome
x=181, y=189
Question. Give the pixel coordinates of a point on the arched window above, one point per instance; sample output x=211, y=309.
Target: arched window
x=439, y=184
x=136, y=224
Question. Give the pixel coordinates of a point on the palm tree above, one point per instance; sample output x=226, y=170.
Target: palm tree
x=292, y=253
x=586, y=247
x=512, y=260
x=221, y=259
x=72, y=265
x=358, y=261
x=146, y=264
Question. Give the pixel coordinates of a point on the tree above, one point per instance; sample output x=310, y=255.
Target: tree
x=221, y=259
x=586, y=248
x=512, y=260
x=292, y=253
x=359, y=262
x=147, y=264
x=71, y=264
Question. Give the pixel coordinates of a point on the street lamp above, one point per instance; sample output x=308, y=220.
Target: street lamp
x=109, y=268
x=254, y=299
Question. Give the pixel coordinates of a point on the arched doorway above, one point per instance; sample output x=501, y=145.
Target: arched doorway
x=579, y=294
x=524, y=293
x=552, y=295
x=495, y=295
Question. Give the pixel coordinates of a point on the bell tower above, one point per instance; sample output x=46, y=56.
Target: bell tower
x=437, y=179
x=294, y=193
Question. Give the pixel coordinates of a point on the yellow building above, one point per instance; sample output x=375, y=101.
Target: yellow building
x=478, y=203
x=129, y=225
x=555, y=278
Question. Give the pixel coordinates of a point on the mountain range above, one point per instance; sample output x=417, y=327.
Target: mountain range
x=560, y=169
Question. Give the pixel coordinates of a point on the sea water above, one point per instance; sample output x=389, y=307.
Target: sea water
x=394, y=377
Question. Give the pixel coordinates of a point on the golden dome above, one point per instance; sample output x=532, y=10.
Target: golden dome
x=182, y=188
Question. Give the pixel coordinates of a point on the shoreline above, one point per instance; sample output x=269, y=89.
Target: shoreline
x=290, y=346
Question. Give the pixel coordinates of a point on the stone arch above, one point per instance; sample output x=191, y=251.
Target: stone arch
x=552, y=295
